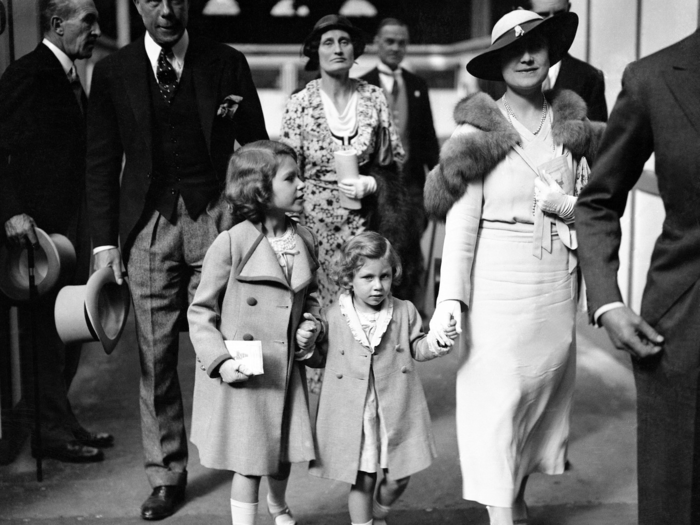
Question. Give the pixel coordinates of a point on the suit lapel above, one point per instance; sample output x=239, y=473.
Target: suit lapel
x=136, y=67
x=61, y=90
x=683, y=79
x=206, y=74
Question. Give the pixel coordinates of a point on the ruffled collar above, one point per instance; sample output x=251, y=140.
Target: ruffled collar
x=351, y=317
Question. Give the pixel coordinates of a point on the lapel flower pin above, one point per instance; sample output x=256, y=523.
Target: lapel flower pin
x=229, y=107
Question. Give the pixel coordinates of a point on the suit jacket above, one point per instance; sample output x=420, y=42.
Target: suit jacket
x=244, y=295
x=575, y=75
x=42, y=143
x=658, y=110
x=423, y=148
x=120, y=123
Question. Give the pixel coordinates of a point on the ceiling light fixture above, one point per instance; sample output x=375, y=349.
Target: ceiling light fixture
x=222, y=8
x=358, y=8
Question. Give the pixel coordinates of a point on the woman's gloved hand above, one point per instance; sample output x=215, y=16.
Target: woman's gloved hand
x=358, y=188
x=550, y=198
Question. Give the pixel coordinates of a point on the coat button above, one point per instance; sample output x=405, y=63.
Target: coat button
x=339, y=376
x=398, y=348
x=342, y=352
x=247, y=337
x=252, y=301
x=404, y=369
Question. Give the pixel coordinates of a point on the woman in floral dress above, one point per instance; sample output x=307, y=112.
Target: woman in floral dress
x=332, y=113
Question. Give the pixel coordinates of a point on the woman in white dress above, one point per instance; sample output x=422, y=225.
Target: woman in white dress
x=506, y=185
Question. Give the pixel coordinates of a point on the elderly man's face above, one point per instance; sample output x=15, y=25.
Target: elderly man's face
x=80, y=30
x=547, y=8
x=165, y=20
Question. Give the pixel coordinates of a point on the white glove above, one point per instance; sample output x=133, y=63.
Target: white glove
x=550, y=198
x=446, y=312
x=358, y=188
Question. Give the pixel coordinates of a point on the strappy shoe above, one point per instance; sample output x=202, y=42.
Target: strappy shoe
x=284, y=517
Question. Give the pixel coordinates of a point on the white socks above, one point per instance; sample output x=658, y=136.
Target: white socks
x=243, y=513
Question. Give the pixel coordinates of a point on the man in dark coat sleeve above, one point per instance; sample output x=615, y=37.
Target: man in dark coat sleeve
x=172, y=105
x=657, y=111
x=42, y=175
x=570, y=73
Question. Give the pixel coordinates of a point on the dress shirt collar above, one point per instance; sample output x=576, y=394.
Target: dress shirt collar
x=387, y=76
x=553, y=74
x=179, y=51
x=66, y=62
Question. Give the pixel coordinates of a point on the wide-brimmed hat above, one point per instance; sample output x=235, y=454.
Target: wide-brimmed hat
x=95, y=311
x=328, y=23
x=54, y=262
x=559, y=30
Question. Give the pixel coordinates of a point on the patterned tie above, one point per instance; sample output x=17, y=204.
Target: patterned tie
x=77, y=88
x=167, y=79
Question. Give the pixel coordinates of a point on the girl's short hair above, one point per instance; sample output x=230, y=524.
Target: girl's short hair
x=249, y=178
x=354, y=253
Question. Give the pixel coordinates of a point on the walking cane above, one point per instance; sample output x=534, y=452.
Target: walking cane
x=35, y=359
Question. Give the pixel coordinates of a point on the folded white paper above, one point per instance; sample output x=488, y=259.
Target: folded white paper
x=248, y=353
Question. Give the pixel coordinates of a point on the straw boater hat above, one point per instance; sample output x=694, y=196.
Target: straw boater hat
x=96, y=311
x=54, y=262
x=559, y=31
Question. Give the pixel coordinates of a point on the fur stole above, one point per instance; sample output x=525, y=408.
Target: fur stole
x=467, y=157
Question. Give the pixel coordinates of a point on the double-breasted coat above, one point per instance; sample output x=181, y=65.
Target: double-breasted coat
x=250, y=427
x=400, y=396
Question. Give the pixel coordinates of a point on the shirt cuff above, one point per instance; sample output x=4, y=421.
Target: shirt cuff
x=104, y=248
x=606, y=308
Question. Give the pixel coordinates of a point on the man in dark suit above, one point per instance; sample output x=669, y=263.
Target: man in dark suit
x=407, y=96
x=570, y=73
x=42, y=175
x=657, y=111
x=173, y=105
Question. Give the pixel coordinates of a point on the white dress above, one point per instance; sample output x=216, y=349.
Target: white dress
x=515, y=382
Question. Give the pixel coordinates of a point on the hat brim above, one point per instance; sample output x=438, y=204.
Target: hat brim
x=355, y=33
x=96, y=311
x=560, y=31
x=54, y=260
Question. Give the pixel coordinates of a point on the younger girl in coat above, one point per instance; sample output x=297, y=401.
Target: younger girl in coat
x=258, y=283
x=372, y=412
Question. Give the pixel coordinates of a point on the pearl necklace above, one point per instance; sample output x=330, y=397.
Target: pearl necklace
x=510, y=113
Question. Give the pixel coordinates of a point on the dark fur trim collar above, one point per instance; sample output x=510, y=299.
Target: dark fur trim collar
x=466, y=157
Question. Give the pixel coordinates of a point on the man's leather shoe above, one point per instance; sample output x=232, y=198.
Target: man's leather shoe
x=162, y=502
x=71, y=452
x=93, y=439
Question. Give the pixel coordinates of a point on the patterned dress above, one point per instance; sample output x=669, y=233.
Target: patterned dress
x=305, y=128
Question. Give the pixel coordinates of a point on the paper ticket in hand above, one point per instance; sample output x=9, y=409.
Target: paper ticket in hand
x=249, y=354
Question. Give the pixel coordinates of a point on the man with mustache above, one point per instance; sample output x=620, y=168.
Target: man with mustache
x=172, y=105
x=42, y=175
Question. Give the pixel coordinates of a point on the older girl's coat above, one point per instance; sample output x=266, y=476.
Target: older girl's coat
x=250, y=427
x=400, y=396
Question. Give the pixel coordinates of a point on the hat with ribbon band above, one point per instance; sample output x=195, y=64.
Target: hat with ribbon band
x=54, y=262
x=559, y=30
x=96, y=311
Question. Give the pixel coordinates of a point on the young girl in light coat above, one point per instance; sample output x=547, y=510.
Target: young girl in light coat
x=258, y=283
x=372, y=411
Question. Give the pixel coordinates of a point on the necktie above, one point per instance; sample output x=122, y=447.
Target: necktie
x=77, y=88
x=167, y=79
x=395, y=88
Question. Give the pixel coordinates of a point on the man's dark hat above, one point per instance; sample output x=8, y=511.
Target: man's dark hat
x=328, y=23
x=559, y=30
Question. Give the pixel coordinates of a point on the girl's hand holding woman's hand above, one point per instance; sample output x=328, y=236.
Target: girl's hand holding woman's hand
x=358, y=188
x=445, y=324
x=233, y=372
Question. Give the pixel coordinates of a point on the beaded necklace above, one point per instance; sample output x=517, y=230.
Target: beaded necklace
x=511, y=115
